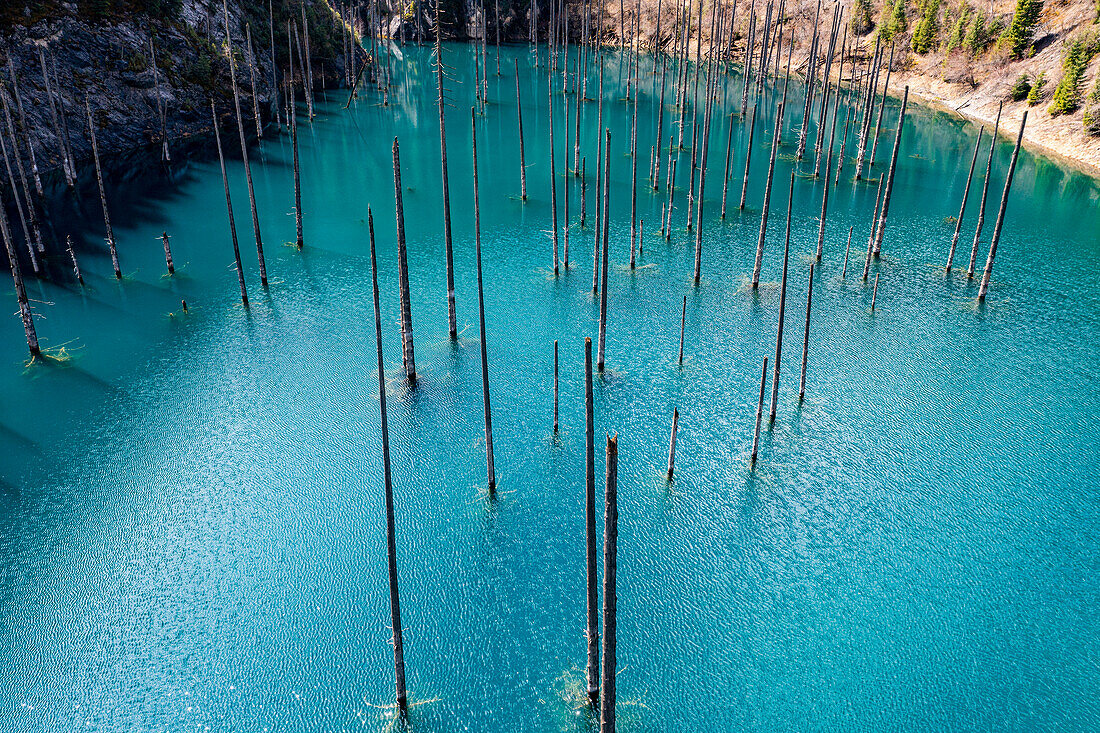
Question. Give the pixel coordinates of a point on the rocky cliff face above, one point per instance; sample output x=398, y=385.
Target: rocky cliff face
x=133, y=68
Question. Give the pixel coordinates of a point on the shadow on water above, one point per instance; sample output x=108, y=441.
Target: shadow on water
x=140, y=190
x=15, y=438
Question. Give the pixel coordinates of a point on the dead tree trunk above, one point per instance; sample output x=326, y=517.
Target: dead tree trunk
x=168, y=254
x=229, y=208
x=890, y=178
x=748, y=156
x=606, y=223
x=610, y=569
x=592, y=603
x=481, y=318
x=1001, y=213
x=161, y=111
x=767, y=203
x=962, y=207
x=726, y=176
x=672, y=442
x=252, y=81
x=244, y=151
x=882, y=105
x=408, y=356
x=274, y=79
x=806, y=336
x=555, y=386
x=599, y=191
x=72, y=256
x=64, y=119
x=759, y=411
x=844, y=272
x=522, y=163
x=102, y=194
x=28, y=196
x=874, y=223
x=985, y=193
x=782, y=308
x=292, y=121
x=19, y=207
x=23, y=125
x=66, y=156
x=20, y=289
x=452, y=319
x=307, y=72
x=391, y=532
x=824, y=207
x=553, y=170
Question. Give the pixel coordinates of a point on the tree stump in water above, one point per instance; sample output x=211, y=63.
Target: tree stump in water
x=759, y=411
x=167, y=253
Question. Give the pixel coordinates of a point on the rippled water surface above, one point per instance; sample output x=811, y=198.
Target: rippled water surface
x=191, y=515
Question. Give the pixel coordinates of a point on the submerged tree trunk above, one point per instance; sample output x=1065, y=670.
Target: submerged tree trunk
x=452, y=319
x=481, y=318
x=759, y=411
x=782, y=307
x=72, y=256
x=20, y=289
x=19, y=207
x=962, y=207
x=606, y=222
x=244, y=151
x=592, y=602
x=610, y=567
x=307, y=71
x=806, y=336
x=985, y=193
x=748, y=157
x=32, y=214
x=292, y=121
x=391, y=540
x=407, y=353
x=168, y=254
x=102, y=193
x=767, y=203
x=522, y=162
x=672, y=443
x=890, y=177
x=229, y=208
x=1001, y=212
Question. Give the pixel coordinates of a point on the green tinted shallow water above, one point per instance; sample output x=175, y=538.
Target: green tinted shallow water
x=191, y=525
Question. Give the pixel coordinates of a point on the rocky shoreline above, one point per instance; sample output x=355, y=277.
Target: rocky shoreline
x=1060, y=143
x=110, y=65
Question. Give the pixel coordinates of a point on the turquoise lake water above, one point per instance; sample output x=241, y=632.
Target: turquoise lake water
x=191, y=509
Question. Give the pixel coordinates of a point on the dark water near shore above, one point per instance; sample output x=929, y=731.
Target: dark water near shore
x=191, y=516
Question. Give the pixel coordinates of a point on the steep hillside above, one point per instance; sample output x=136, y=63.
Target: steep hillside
x=103, y=51
x=955, y=54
